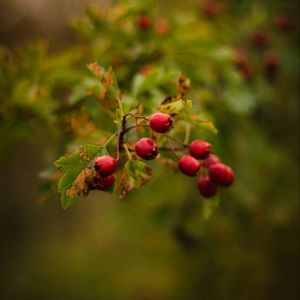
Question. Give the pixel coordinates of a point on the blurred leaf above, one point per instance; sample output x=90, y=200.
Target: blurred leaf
x=176, y=106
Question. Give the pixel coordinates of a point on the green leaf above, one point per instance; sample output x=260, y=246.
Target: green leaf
x=76, y=169
x=176, y=107
x=197, y=121
x=109, y=92
x=135, y=174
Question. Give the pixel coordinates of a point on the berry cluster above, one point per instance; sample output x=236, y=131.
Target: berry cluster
x=103, y=178
x=213, y=172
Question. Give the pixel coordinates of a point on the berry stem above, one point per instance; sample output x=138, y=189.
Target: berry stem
x=173, y=149
x=176, y=141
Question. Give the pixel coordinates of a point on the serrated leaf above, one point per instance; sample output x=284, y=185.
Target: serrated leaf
x=109, y=91
x=198, y=122
x=176, y=106
x=135, y=174
x=77, y=171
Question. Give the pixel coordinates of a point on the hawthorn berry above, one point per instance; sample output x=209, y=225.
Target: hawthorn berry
x=283, y=23
x=271, y=65
x=221, y=174
x=210, y=8
x=200, y=149
x=206, y=186
x=144, y=22
x=105, y=165
x=259, y=39
x=212, y=159
x=189, y=165
x=161, y=122
x=146, y=149
x=102, y=183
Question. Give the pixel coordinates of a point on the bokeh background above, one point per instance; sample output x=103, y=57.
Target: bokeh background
x=163, y=242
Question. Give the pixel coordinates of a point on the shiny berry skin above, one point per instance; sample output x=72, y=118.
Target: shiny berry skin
x=146, y=149
x=200, y=149
x=212, y=159
x=102, y=183
x=105, y=165
x=221, y=174
x=206, y=186
x=189, y=165
x=161, y=122
x=144, y=22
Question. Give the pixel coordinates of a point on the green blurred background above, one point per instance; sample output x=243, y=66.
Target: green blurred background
x=164, y=241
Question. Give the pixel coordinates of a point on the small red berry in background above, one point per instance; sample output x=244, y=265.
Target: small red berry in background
x=162, y=26
x=144, y=22
x=271, y=65
x=221, y=174
x=212, y=159
x=283, y=23
x=146, y=70
x=206, y=186
x=105, y=165
x=242, y=65
x=161, y=122
x=259, y=39
x=189, y=165
x=210, y=8
x=200, y=149
x=146, y=149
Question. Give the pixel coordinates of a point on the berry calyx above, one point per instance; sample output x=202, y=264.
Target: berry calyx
x=200, y=149
x=212, y=159
x=102, y=183
x=189, y=165
x=206, y=186
x=146, y=149
x=144, y=22
x=105, y=165
x=161, y=122
x=221, y=174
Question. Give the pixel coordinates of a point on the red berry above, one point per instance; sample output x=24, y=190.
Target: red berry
x=144, y=22
x=221, y=174
x=259, y=39
x=146, y=149
x=200, y=149
x=102, y=183
x=206, y=186
x=105, y=165
x=283, y=23
x=189, y=165
x=212, y=159
x=210, y=8
x=271, y=65
x=161, y=122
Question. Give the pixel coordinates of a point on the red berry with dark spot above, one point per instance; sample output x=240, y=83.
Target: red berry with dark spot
x=146, y=149
x=144, y=22
x=161, y=122
x=189, y=165
x=221, y=174
x=206, y=186
x=105, y=165
x=200, y=149
x=212, y=159
x=102, y=183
